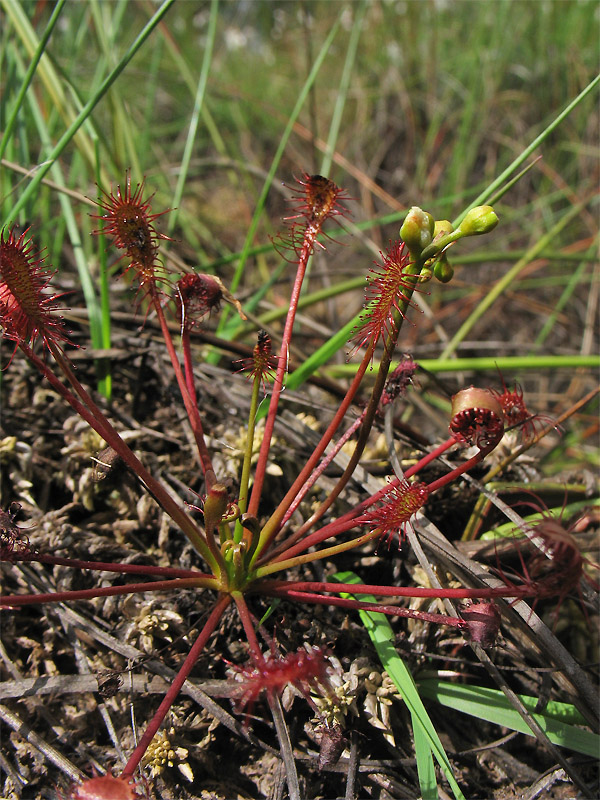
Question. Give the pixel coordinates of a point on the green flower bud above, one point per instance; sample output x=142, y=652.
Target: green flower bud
x=443, y=270
x=442, y=228
x=417, y=229
x=478, y=220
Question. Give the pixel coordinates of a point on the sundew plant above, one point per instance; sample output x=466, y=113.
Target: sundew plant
x=235, y=556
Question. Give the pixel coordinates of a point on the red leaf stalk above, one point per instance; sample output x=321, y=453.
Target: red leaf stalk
x=318, y=200
x=14, y=601
x=129, y=220
x=168, y=700
x=96, y=419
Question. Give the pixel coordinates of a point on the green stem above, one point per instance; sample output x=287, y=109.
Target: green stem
x=247, y=464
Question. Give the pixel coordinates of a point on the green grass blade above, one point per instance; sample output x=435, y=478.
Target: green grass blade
x=566, y=295
x=340, y=101
x=487, y=364
x=508, y=278
x=493, y=706
x=382, y=636
x=195, y=118
x=87, y=109
x=496, y=184
x=11, y=122
x=425, y=764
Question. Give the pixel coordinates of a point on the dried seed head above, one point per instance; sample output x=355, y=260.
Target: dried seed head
x=477, y=418
x=26, y=313
x=399, y=503
x=197, y=296
x=398, y=382
x=482, y=621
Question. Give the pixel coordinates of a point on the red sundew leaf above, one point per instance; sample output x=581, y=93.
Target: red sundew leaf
x=105, y=787
x=316, y=199
x=399, y=503
x=129, y=220
x=26, y=312
x=389, y=285
x=516, y=413
x=263, y=362
x=304, y=669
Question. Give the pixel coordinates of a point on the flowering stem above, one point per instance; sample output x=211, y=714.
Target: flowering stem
x=168, y=700
x=369, y=414
x=318, y=472
x=246, y=466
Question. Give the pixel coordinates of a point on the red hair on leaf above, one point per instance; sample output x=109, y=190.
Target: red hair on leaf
x=389, y=285
x=304, y=670
x=316, y=199
x=129, y=220
x=399, y=503
x=26, y=312
x=263, y=362
x=516, y=414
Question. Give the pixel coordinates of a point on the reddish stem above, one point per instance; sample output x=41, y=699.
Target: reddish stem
x=453, y=474
x=188, y=364
x=15, y=601
x=463, y=593
x=248, y=624
x=103, y=566
x=317, y=473
x=272, y=525
x=310, y=236
x=168, y=700
x=96, y=420
x=190, y=405
x=391, y=611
